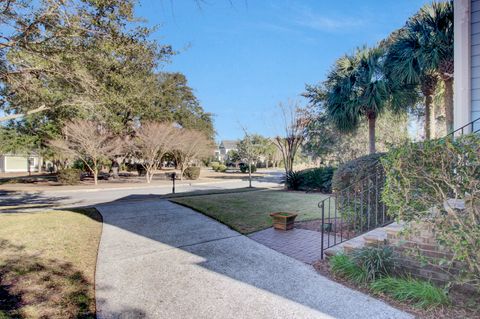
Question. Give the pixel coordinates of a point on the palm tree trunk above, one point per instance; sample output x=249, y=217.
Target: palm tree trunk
x=428, y=116
x=448, y=102
x=371, y=133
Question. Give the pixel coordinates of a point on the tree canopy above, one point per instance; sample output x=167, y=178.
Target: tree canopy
x=94, y=60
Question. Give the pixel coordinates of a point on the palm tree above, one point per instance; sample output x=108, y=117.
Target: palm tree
x=431, y=31
x=405, y=67
x=357, y=89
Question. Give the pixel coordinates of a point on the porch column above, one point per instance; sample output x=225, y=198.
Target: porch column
x=462, y=62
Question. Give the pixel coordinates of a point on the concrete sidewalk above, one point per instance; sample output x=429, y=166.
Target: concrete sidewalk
x=161, y=260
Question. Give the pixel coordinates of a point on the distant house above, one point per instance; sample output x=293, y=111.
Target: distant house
x=16, y=163
x=225, y=147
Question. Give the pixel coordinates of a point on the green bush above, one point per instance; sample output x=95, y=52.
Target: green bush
x=221, y=168
x=293, y=180
x=192, y=172
x=421, y=181
x=344, y=266
x=358, y=185
x=356, y=170
x=376, y=261
x=422, y=293
x=319, y=178
x=69, y=176
x=214, y=165
x=141, y=170
x=244, y=168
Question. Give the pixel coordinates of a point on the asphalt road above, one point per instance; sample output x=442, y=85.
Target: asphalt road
x=75, y=198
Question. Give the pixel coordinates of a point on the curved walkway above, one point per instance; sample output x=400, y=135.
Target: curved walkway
x=161, y=260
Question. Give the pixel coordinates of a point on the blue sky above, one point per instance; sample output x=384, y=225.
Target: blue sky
x=242, y=57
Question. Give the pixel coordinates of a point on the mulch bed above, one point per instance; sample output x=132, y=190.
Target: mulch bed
x=462, y=306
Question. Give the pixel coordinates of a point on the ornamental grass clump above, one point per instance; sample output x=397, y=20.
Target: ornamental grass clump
x=344, y=266
x=421, y=293
x=377, y=262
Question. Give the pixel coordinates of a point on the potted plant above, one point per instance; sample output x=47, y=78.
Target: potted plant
x=283, y=220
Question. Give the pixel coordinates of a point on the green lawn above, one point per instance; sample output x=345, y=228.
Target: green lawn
x=47, y=264
x=248, y=212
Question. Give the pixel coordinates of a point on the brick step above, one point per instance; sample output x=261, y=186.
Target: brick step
x=375, y=237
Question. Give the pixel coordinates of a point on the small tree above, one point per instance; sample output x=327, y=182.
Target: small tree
x=295, y=121
x=152, y=141
x=249, y=150
x=192, y=145
x=88, y=141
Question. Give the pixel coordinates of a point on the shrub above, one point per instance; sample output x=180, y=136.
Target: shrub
x=356, y=170
x=293, y=180
x=359, y=184
x=192, y=172
x=344, y=266
x=69, y=176
x=422, y=293
x=244, y=168
x=376, y=261
x=319, y=178
x=214, y=165
x=221, y=168
x=141, y=170
x=421, y=181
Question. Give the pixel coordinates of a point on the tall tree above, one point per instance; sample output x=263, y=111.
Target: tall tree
x=43, y=45
x=356, y=90
x=404, y=65
x=432, y=26
x=175, y=101
x=421, y=53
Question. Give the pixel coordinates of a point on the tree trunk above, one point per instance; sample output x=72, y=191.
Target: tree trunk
x=371, y=133
x=428, y=116
x=250, y=174
x=147, y=176
x=448, y=103
x=95, y=176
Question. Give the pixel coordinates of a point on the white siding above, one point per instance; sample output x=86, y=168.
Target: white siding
x=475, y=61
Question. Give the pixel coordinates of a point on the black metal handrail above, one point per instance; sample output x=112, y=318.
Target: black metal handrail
x=462, y=129
x=353, y=210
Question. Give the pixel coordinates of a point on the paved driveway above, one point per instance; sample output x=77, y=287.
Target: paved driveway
x=161, y=260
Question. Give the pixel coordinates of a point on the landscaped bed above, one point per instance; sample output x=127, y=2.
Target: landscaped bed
x=248, y=212
x=47, y=264
x=459, y=305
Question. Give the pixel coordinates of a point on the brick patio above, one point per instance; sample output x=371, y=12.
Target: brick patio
x=301, y=244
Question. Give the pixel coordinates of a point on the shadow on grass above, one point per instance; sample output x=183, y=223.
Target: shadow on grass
x=55, y=288
x=13, y=200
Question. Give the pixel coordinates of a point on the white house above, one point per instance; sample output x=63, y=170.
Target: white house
x=225, y=147
x=467, y=64
x=13, y=163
